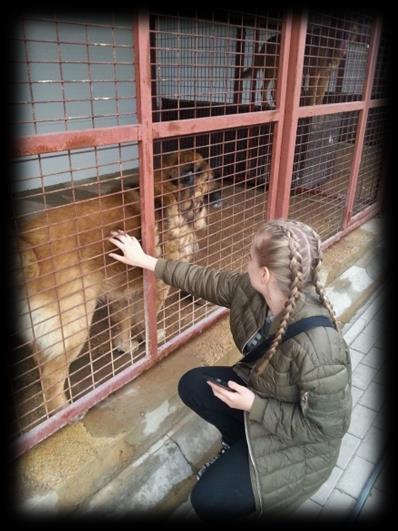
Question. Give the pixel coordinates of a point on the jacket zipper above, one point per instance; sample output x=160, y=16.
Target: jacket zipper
x=254, y=464
x=251, y=337
x=248, y=341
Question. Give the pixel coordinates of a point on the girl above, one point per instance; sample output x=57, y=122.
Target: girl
x=287, y=402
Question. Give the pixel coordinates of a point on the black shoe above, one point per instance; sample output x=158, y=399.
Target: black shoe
x=224, y=448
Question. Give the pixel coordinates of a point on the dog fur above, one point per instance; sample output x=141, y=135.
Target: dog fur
x=324, y=52
x=66, y=267
x=266, y=60
x=326, y=49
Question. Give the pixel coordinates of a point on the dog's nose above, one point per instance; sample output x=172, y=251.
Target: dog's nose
x=215, y=199
x=186, y=206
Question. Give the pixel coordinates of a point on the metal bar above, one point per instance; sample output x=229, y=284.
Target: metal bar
x=240, y=49
x=281, y=102
x=332, y=108
x=141, y=33
x=152, y=40
x=362, y=122
x=356, y=221
x=54, y=142
x=253, y=79
x=291, y=114
x=212, y=123
x=309, y=111
x=74, y=22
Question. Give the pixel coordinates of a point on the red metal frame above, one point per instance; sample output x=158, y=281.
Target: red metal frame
x=363, y=119
x=144, y=104
x=293, y=89
x=285, y=117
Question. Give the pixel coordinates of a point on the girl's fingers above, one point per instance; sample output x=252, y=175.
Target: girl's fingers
x=118, y=257
x=116, y=242
x=119, y=233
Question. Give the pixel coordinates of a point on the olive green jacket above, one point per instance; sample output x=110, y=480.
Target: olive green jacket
x=302, y=406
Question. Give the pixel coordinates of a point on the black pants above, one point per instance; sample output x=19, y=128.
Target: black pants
x=224, y=491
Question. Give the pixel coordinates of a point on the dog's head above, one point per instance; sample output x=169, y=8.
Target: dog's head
x=334, y=39
x=193, y=180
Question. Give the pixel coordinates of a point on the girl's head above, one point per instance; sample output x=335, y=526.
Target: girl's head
x=292, y=253
x=290, y=249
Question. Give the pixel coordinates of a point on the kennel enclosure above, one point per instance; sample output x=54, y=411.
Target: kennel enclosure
x=99, y=103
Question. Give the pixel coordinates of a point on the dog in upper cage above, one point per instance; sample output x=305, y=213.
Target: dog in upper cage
x=266, y=61
x=66, y=268
x=326, y=47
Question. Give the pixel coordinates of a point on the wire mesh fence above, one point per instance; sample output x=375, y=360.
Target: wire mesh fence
x=213, y=135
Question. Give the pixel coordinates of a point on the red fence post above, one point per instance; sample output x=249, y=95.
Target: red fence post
x=362, y=121
x=278, y=125
x=290, y=118
x=141, y=35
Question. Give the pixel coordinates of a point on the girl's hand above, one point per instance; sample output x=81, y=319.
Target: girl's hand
x=240, y=397
x=133, y=253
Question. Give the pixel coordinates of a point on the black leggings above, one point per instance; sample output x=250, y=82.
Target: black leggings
x=224, y=491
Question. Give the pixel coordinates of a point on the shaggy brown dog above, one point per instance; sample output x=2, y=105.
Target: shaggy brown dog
x=66, y=267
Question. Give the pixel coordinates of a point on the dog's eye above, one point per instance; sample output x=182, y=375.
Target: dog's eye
x=188, y=177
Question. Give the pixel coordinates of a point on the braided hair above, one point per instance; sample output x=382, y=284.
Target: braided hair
x=292, y=251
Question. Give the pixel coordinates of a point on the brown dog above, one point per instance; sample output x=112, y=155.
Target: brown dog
x=266, y=60
x=66, y=267
x=324, y=51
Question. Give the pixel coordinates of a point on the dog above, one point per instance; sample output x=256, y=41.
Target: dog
x=267, y=60
x=66, y=267
x=324, y=51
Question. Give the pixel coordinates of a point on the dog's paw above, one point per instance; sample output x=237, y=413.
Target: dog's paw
x=55, y=404
x=161, y=333
x=126, y=346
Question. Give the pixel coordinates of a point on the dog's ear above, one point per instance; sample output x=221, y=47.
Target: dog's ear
x=171, y=159
x=170, y=165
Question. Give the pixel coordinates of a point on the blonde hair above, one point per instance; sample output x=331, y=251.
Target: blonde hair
x=292, y=251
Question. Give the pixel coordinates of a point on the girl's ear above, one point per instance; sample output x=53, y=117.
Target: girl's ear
x=265, y=274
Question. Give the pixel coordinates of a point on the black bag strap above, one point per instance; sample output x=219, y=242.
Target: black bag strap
x=292, y=330
x=306, y=324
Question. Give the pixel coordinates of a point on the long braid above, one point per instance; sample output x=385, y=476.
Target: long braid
x=315, y=263
x=296, y=286
x=317, y=282
x=292, y=250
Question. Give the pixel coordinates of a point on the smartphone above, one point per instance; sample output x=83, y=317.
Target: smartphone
x=220, y=383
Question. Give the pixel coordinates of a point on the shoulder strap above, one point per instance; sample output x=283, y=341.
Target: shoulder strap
x=306, y=324
x=292, y=330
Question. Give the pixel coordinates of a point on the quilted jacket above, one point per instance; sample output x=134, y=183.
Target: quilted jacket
x=302, y=406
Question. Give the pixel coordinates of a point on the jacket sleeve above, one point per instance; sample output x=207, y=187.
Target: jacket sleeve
x=217, y=287
x=323, y=411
